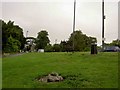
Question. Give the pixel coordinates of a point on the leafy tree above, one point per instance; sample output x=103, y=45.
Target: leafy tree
x=63, y=46
x=49, y=48
x=9, y=30
x=66, y=46
x=4, y=34
x=115, y=43
x=56, y=48
x=81, y=41
x=16, y=32
x=12, y=45
x=42, y=40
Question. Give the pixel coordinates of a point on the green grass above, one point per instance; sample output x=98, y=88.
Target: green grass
x=0, y=73
x=80, y=70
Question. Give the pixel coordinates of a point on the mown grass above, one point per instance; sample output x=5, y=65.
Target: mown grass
x=80, y=70
x=0, y=72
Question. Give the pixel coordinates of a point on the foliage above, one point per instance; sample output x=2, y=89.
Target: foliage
x=87, y=49
x=12, y=32
x=115, y=43
x=56, y=48
x=49, y=48
x=63, y=46
x=42, y=40
x=81, y=41
x=12, y=45
x=66, y=46
x=80, y=70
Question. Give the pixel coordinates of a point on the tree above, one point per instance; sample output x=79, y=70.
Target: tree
x=12, y=45
x=4, y=34
x=42, y=40
x=115, y=43
x=49, y=48
x=81, y=41
x=66, y=46
x=63, y=46
x=56, y=48
x=9, y=30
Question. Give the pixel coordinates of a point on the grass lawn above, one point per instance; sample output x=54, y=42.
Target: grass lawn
x=80, y=70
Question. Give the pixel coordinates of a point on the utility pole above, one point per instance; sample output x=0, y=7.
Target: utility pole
x=55, y=41
x=74, y=23
x=26, y=34
x=103, y=17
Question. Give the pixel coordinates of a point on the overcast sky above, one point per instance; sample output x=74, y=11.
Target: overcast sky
x=56, y=17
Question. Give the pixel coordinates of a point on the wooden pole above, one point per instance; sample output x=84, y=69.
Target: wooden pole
x=103, y=17
x=74, y=24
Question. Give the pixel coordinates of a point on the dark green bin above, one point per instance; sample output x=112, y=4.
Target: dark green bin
x=93, y=48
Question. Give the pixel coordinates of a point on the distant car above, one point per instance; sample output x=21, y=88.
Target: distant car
x=112, y=49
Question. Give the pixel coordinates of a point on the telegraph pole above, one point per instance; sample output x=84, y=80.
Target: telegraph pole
x=26, y=34
x=74, y=23
x=55, y=41
x=103, y=17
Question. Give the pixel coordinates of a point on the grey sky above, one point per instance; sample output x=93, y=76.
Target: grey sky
x=57, y=17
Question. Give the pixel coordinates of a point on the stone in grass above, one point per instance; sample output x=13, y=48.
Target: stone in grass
x=52, y=77
x=53, y=74
x=43, y=79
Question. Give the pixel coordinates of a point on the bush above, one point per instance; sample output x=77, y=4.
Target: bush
x=49, y=48
x=12, y=45
x=56, y=48
x=87, y=49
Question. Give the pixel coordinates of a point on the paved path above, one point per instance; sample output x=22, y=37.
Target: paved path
x=13, y=55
